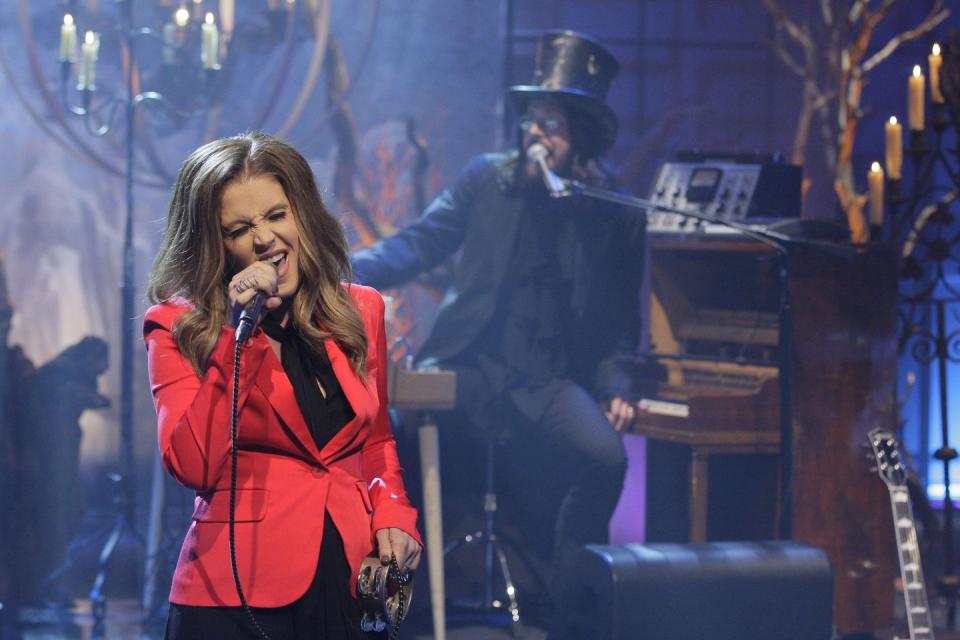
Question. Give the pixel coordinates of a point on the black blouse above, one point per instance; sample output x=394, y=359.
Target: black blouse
x=325, y=416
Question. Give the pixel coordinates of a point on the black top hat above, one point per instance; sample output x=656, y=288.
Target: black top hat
x=576, y=71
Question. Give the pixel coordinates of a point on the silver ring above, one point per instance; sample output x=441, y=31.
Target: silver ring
x=240, y=287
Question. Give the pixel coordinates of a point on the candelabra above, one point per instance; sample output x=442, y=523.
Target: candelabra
x=181, y=58
x=923, y=221
x=90, y=111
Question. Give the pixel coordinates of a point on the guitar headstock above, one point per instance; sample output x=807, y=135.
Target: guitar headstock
x=886, y=450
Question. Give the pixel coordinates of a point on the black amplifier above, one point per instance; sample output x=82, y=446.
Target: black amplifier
x=742, y=187
x=714, y=591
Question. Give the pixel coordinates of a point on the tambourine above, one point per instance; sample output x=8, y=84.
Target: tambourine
x=384, y=593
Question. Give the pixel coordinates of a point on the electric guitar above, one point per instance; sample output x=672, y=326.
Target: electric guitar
x=885, y=450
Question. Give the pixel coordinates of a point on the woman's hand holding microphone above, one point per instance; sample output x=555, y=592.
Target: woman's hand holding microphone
x=245, y=284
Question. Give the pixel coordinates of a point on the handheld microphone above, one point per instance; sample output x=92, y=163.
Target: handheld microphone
x=556, y=187
x=249, y=317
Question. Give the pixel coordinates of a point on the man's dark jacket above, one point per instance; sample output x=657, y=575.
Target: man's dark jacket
x=479, y=214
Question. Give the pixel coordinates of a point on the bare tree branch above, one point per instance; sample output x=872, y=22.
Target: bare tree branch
x=928, y=24
x=872, y=18
x=781, y=19
x=853, y=16
x=785, y=56
x=826, y=10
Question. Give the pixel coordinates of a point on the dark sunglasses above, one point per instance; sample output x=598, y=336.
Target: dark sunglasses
x=550, y=124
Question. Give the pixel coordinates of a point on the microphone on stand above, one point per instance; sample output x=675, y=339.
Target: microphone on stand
x=249, y=317
x=556, y=186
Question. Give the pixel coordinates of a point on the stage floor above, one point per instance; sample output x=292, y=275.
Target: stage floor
x=124, y=623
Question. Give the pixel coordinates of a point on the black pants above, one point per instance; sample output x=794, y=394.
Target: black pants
x=559, y=455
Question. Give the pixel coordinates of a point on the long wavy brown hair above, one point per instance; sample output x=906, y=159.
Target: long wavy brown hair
x=192, y=263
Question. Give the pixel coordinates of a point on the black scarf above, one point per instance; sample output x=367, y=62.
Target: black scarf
x=325, y=416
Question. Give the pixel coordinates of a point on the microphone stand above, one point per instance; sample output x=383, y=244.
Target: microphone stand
x=783, y=245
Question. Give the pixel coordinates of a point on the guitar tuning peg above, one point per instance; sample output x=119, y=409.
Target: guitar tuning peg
x=874, y=469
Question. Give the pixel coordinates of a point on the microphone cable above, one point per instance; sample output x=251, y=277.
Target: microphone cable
x=234, y=420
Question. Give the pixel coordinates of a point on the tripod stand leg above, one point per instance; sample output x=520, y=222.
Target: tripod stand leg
x=489, y=524
x=430, y=469
x=97, y=601
x=508, y=583
x=489, y=549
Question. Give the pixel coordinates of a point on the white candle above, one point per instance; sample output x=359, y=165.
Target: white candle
x=210, y=43
x=169, y=43
x=934, y=61
x=90, y=50
x=68, y=38
x=894, y=148
x=915, y=99
x=227, y=11
x=875, y=182
x=180, y=18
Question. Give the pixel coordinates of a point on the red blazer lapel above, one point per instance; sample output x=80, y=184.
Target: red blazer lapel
x=275, y=385
x=359, y=396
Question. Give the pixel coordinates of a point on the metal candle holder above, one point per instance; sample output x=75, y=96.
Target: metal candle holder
x=99, y=114
x=922, y=219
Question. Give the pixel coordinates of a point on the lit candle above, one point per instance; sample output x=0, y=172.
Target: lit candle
x=197, y=9
x=68, y=38
x=89, y=50
x=210, y=44
x=290, y=4
x=875, y=182
x=180, y=18
x=227, y=11
x=934, y=60
x=169, y=42
x=915, y=100
x=894, y=148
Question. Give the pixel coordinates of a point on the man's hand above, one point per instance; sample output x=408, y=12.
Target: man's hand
x=620, y=413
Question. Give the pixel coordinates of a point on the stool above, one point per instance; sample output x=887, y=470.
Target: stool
x=491, y=546
x=425, y=390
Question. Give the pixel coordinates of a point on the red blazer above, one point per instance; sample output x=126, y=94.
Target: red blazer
x=284, y=483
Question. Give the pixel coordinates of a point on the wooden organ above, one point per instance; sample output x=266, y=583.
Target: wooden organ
x=710, y=393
